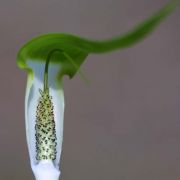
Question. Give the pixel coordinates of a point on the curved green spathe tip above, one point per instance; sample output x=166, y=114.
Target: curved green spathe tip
x=75, y=49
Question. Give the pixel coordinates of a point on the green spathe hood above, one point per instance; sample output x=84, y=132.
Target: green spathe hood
x=75, y=49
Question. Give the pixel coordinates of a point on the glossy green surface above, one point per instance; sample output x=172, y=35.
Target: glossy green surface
x=74, y=49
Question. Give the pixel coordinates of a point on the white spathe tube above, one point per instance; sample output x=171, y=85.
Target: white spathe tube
x=45, y=169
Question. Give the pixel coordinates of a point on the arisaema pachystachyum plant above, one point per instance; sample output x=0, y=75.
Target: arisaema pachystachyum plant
x=47, y=59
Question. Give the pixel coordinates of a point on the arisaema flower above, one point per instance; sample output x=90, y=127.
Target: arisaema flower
x=47, y=59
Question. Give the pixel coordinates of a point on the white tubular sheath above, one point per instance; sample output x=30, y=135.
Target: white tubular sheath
x=44, y=169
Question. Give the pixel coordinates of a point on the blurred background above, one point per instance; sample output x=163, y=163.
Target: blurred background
x=125, y=124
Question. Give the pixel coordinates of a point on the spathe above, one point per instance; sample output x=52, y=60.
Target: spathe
x=72, y=53
x=31, y=101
